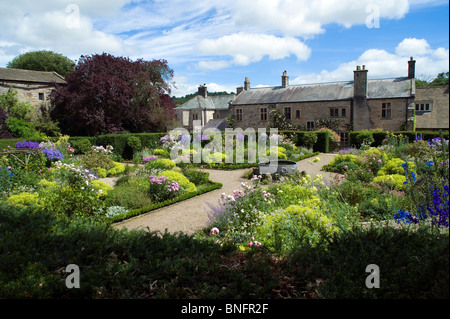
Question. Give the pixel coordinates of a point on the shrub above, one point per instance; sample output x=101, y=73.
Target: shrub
x=392, y=181
x=363, y=137
x=135, y=143
x=182, y=180
x=117, y=169
x=82, y=146
x=161, y=188
x=161, y=163
x=102, y=187
x=284, y=230
x=23, y=199
x=162, y=152
x=334, y=163
x=394, y=166
x=195, y=176
x=128, y=196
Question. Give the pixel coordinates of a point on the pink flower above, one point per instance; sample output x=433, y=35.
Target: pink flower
x=250, y=244
x=379, y=161
x=214, y=231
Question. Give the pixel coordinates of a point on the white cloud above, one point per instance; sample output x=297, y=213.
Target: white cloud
x=307, y=18
x=382, y=64
x=183, y=87
x=413, y=46
x=247, y=48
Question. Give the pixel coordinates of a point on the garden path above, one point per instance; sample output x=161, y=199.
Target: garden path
x=191, y=215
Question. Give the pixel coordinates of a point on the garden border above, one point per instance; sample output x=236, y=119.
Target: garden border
x=140, y=211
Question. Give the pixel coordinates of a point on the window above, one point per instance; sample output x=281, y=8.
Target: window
x=297, y=114
x=386, y=110
x=344, y=138
x=334, y=112
x=195, y=117
x=41, y=96
x=310, y=126
x=344, y=112
x=423, y=107
x=263, y=114
x=238, y=114
x=287, y=112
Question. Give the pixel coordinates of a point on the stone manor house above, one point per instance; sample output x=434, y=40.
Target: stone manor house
x=31, y=86
x=391, y=104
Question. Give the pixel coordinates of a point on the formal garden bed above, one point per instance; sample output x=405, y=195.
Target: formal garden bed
x=295, y=237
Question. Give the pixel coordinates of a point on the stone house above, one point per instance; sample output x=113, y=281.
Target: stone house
x=206, y=109
x=432, y=108
x=31, y=86
x=359, y=104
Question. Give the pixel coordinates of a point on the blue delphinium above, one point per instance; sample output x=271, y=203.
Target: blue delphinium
x=52, y=153
x=27, y=145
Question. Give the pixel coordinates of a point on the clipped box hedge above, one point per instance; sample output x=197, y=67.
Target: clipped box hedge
x=378, y=137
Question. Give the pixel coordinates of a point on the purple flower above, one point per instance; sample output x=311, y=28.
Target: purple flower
x=52, y=153
x=27, y=145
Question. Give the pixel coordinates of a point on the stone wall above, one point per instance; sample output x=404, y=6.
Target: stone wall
x=36, y=94
x=438, y=117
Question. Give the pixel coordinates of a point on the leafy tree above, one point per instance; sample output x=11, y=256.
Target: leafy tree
x=441, y=79
x=107, y=94
x=43, y=61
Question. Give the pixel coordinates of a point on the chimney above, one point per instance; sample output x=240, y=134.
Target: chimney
x=411, y=68
x=360, y=82
x=284, y=80
x=203, y=91
x=246, y=84
x=239, y=90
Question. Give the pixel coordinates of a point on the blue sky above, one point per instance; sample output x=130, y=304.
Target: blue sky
x=219, y=43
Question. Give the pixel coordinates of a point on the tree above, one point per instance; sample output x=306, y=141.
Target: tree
x=441, y=79
x=43, y=61
x=107, y=94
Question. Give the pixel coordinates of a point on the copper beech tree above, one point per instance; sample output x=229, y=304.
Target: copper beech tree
x=107, y=94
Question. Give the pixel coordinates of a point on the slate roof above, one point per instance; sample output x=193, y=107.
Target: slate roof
x=18, y=75
x=218, y=124
x=215, y=102
x=333, y=91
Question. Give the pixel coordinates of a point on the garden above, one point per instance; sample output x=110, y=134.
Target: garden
x=289, y=236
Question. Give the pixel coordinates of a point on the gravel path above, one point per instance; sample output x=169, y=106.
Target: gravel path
x=191, y=215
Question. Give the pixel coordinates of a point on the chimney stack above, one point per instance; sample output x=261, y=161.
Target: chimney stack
x=411, y=68
x=239, y=90
x=284, y=80
x=246, y=84
x=203, y=91
x=360, y=82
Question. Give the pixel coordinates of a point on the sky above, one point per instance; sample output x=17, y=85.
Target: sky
x=220, y=42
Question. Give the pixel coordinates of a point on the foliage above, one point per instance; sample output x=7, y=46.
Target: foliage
x=43, y=60
x=107, y=94
x=184, y=183
x=284, y=230
x=161, y=188
x=161, y=163
x=73, y=194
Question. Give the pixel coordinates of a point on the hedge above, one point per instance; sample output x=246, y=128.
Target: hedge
x=323, y=140
x=120, y=141
x=378, y=136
